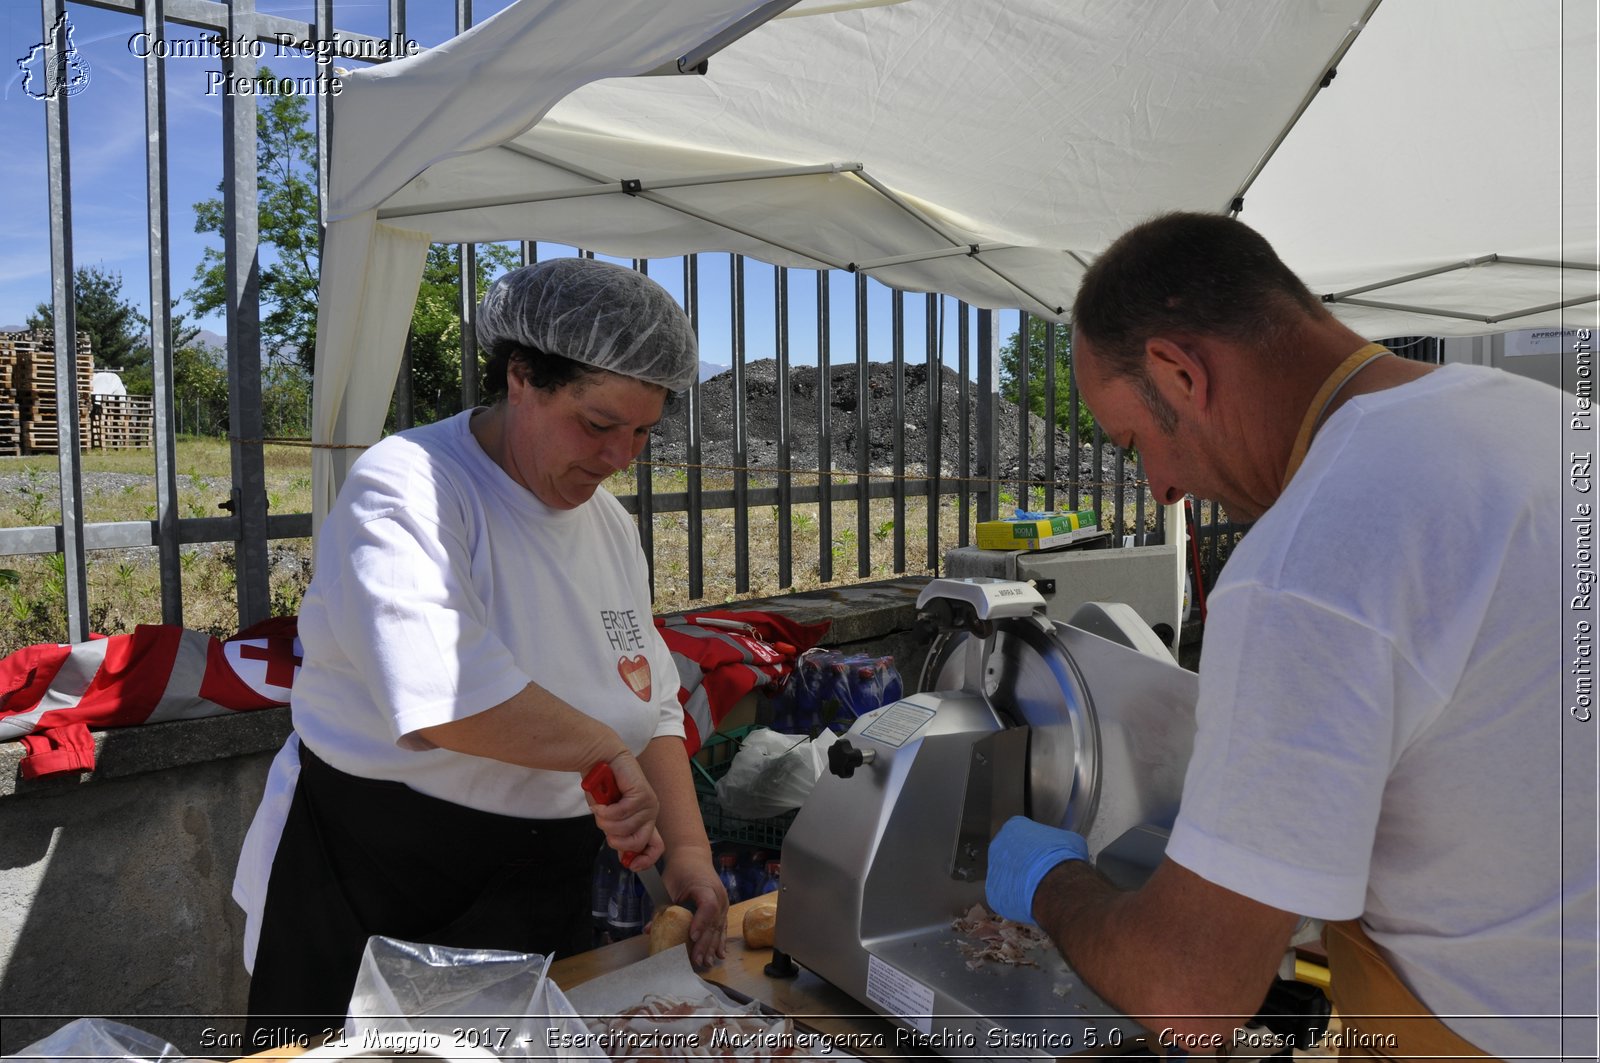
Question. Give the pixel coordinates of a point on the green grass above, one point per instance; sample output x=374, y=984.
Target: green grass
x=124, y=586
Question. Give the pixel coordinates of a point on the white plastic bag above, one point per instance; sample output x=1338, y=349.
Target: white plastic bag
x=773, y=773
x=99, y=1039
x=411, y=997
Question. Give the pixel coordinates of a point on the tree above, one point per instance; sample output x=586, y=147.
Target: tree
x=1038, y=357
x=286, y=171
x=140, y=380
x=285, y=399
x=436, y=325
x=200, y=389
x=116, y=328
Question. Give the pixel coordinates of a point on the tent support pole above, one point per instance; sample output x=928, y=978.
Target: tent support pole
x=608, y=187
x=755, y=19
x=1512, y=316
x=926, y=256
x=1451, y=268
x=1551, y=263
x=889, y=194
x=695, y=60
x=662, y=201
x=1236, y=203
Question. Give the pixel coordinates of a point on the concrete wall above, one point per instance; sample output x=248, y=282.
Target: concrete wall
x=114, y=887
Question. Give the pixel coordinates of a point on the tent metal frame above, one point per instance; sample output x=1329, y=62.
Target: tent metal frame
x=1347, y=295
x=697, y=60
x=650, y=189
x=1330, y=70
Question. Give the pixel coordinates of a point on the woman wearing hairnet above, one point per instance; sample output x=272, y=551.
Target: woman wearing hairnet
x=477, y=636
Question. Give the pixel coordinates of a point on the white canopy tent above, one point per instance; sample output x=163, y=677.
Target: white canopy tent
x=983, y=148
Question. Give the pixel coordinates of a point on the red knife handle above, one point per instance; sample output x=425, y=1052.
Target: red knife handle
x=600, y=784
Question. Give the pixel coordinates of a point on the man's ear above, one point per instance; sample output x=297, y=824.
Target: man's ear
x=1180, y=371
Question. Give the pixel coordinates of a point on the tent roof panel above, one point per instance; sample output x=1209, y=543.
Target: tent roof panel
x=1044, y=123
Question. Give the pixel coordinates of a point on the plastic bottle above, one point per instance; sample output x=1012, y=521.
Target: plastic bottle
x=753, y=873
x=730, y=877
x=842, y=696
x=800, y=698
x=623, y=911
x=893, y=688
x=770, y=881
x=874, y=683
x=601, y=888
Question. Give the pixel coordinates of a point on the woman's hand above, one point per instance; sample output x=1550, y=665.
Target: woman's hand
x=689, y=876
x=629, y=822
x=693, y=882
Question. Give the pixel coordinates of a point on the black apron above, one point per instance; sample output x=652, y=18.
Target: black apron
x=362, y=857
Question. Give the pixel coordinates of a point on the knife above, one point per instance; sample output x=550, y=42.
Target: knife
x=601, y=784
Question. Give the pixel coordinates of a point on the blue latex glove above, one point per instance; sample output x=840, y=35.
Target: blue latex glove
x=1020, y=856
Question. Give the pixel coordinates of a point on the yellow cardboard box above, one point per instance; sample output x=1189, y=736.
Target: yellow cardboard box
x=1038, y=533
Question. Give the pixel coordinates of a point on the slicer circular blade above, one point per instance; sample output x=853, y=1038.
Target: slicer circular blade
x=1028, y=677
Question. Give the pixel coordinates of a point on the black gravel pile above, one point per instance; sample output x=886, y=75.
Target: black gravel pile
x=762, y=421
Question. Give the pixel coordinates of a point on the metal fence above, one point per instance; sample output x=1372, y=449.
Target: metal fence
x=926, y=330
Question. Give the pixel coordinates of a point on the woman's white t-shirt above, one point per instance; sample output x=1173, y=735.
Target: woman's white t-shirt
x=443, y=588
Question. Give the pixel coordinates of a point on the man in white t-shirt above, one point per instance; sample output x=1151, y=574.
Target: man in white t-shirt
x=1379, y=721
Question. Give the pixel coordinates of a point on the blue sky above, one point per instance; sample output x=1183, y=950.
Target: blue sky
x=107, y=130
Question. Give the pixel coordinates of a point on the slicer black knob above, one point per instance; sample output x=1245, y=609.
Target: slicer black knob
x=844, y=758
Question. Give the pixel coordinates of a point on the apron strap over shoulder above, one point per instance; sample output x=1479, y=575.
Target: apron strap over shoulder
x=1382, y=1018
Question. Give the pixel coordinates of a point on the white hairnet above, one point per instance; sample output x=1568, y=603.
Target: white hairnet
x=596, y=313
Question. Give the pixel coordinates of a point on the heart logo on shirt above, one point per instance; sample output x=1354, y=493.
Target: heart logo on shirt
x=635, y=671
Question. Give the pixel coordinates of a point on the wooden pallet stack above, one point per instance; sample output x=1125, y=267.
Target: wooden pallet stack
x=33, y=387
x=121, y=422
x=10, y=408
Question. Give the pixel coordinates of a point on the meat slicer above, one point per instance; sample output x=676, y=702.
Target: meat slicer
x=1087, y=725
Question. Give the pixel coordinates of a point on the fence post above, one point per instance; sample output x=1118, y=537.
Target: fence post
x=241, y=263
x=62, y=288
x=988, y=410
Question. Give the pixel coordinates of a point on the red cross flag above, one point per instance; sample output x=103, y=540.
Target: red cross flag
x=51, y=694
x=267, y=665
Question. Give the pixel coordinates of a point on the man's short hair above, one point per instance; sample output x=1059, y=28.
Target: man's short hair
x=1186, y=274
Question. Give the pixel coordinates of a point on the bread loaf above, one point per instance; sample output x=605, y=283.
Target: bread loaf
x=760, y=925
x=670, y=928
